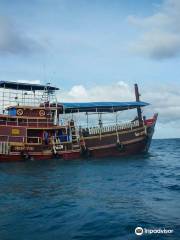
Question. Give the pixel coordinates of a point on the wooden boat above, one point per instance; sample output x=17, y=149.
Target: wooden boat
x=32, y=126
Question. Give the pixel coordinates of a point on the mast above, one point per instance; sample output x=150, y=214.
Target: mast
x=137, y=95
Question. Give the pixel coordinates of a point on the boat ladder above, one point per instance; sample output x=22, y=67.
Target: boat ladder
x=56, y=145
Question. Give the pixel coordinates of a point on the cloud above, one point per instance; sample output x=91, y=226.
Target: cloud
x=163, y=99
x=78, y=92
x=115, y=92
x=14, y=41
x=158, y=45
x=159, y=34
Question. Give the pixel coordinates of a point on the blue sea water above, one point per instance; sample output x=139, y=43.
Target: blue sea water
x=92, y=199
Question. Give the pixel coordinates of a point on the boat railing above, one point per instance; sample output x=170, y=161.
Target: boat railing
x=27, y=123
x=20, y=139
x=58, y=141
x=112, y=128
x=33, y=140
x=8, y=138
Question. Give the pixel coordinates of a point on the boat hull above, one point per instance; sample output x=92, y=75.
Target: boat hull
x=116, y=151
x=131, y=143
x=39, y=156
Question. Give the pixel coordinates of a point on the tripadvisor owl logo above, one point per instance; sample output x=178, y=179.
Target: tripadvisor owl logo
x=139, y=231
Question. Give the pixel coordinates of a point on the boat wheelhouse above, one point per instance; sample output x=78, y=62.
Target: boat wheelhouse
x=34, y=125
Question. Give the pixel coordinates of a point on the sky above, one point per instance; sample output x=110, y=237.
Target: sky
x=95, y=50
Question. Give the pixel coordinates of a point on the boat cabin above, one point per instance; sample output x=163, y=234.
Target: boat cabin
x=28, y=115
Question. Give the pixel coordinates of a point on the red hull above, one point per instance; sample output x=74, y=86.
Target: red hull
x=131, y=149
x=34, y=156
x=132, y=142
x=105, y=151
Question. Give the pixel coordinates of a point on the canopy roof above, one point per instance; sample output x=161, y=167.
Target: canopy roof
x=100, y=106
x=25, y=86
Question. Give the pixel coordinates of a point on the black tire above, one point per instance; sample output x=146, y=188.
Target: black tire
x=120, y=146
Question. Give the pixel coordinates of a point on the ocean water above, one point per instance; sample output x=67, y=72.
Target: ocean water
x=92, y=199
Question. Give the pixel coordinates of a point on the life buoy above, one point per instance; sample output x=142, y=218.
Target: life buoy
x=42, y=113
x=20, y=112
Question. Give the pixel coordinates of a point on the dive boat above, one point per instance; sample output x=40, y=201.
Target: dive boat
x=34, y=125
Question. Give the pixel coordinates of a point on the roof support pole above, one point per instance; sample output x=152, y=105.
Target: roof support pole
x=117, y=134
x=87, y=119
x=100, y=120
x=3, y=101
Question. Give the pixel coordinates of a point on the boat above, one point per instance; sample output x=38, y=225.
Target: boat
x=34, y=125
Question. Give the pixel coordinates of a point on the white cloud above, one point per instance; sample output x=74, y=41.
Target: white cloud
x=115, y=92
x=78, y=92
x=164, y=99
x=159, y=36
x=158, y=45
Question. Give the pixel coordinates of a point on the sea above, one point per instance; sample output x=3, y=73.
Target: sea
x=93, y=199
